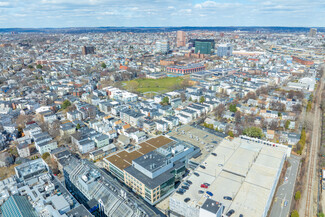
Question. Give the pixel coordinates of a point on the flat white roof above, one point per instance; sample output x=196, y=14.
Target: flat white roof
x=250, y=200
x=243, y=170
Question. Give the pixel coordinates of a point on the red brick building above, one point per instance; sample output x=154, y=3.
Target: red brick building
x=303, y=61
x=191, y=68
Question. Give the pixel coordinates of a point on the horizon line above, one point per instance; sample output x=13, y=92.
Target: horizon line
x=275, y=26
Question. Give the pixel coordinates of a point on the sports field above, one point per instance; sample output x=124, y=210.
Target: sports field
x=162, y=85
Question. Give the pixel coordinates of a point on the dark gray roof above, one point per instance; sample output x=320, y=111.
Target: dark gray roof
x=151, y=161
x=150, y=183
x=79, y=211
x=211, y=206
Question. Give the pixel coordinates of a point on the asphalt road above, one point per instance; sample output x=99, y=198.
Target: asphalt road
x=285, y=191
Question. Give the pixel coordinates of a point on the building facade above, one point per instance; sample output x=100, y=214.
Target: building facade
x=88, y=50
x=162, y=46
x=224, y=50
x=204, y=46
x=153, y=169
x=18, y=206
x=180, y=39
x=191, y=68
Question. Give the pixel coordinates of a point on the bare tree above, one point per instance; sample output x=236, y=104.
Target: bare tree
x=183, y=97
x=238, y=130
x=54, y=128
x=250, y=119
x=278, y=106
x=186, y=83
x=295, y=94
x=297, y=108
x=219, y=110
x=273, y=125
x=237, y=117
x=23, y=119
x=308, y=122
x=250, y=95
x=263, y=123
x=262, y=90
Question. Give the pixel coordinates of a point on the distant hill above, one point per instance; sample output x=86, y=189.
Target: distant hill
x=79, y=30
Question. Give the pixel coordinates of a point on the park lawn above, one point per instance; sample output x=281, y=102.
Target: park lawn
x=152, y=89
x=162, y=85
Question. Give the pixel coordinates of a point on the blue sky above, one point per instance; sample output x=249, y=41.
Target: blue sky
x=93, y=13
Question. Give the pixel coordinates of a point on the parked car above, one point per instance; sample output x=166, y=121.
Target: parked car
x=189, y=182
x=185, y=187
x=204, y=186
x=187, y=199
x=203, y=167
x=180, y=192
x=197, y=174
x=206, y=183
x=200, y=192
x=209, y=193
x=241, y=215
x=214, y=154
x=227, y=198
x=230, y=212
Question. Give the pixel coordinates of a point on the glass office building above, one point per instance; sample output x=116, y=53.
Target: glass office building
x=18, y=206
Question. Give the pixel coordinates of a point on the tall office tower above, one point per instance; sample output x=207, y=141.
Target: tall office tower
x=88, y=50
x=224, y=50
x=180, y=39
x=162, y=46
x=312, y=32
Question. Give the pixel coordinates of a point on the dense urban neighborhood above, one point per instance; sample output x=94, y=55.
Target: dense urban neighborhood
x=191, y=123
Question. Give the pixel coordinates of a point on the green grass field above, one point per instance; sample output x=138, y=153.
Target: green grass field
x=162, y=85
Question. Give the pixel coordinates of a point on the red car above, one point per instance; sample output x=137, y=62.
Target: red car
x=204, y=186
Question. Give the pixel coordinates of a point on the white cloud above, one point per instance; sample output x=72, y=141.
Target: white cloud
x=4, y=4
x=267, y=3
x=187, y=11
x=134, y=9
x=213, y=4
x=160, y=12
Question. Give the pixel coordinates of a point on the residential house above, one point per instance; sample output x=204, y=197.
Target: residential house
x=67, y=129
x=161, y=125
x=49, y=118
x=148, y=125
x=229, y=115
x=139, y=136
x=23, y=149
x=293, y=138
x=32, y=129
x=184, y=119
x=133, y=118
x=74, y=115
x=86, y=146
x=172, y=121
x=188, y=112
x=101, y=141
x=46, y=146
x=270, y=134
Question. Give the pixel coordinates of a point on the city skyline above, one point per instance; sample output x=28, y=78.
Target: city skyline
x=95, y=13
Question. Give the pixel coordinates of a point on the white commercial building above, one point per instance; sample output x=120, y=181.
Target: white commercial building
x=245, y=169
